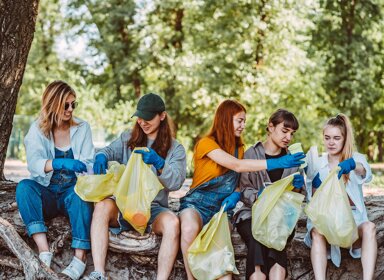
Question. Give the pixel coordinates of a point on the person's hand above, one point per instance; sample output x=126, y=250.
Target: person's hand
x=298, y=181
x=100, y=165
x=230, y=201
x=316, y=182
x=69, y=164
x=346, y=166
x=152, y=157
x=286, y=161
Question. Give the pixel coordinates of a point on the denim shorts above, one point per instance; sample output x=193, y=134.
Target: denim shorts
x=206, y=198
x=156, y=209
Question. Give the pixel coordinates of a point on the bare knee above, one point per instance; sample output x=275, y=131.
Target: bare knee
x=317, y=237
x=104, y=210
x=368, y=230
x=167, y=224
x=189, y=231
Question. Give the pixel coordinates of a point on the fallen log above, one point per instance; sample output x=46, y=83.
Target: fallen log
x=135, y=257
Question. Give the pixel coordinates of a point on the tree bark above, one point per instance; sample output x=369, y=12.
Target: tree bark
x=17, y=26
x=135, y=257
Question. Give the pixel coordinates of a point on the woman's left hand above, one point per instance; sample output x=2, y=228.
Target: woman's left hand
x=152, y=157
x=346, y=166
x=231, y=200
x=298, y=181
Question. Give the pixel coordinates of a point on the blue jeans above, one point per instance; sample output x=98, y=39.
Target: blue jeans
x=206, y=198
x=38, y=204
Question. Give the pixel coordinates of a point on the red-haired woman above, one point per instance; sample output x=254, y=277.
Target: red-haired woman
x=218, y=162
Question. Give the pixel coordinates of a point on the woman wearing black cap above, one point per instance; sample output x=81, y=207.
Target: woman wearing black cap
x=167, y=157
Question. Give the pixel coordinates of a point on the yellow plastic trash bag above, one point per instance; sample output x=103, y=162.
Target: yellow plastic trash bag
x=137, y=188
x=211, y=254
x=275, y=214
x=95, y=188
x=331, y=214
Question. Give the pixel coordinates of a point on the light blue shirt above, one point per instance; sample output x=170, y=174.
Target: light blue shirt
x=354, y=188
x=39, y=149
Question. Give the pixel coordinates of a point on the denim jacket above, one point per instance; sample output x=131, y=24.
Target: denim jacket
x=39, y=149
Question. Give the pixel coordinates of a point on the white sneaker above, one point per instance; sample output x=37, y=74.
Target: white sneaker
x=95, y=275
x=75, y=269
x=46, y=258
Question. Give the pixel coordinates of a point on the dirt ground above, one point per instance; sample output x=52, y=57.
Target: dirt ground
x=16, y=170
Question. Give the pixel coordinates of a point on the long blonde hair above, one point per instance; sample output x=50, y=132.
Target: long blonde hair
x=344, y=124
x=52, y=108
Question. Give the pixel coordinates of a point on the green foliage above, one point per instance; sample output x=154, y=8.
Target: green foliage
x=315, y=58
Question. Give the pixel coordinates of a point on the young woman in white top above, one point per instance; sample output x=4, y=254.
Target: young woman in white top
x=355, y=171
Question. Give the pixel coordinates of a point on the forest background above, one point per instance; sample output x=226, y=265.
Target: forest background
x=316, y=58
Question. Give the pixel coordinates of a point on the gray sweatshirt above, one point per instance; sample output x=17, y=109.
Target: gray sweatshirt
x=252, y=182
x=174, y=170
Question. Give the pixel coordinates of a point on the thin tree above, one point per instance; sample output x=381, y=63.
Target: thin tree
x=17, y=27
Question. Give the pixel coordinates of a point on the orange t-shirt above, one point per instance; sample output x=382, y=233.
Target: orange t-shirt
x=205, y=168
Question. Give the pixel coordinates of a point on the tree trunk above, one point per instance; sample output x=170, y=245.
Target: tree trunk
x=135, y=257
x=17, y=23
x=380, y=136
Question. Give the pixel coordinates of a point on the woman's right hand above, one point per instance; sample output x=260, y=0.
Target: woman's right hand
x=286, y=161
x=69, y=164
x=101, y=164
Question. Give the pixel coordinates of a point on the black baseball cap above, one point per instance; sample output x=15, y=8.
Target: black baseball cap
x=148, y=106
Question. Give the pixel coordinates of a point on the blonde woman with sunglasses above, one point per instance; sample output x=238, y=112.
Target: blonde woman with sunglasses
x=57, y=145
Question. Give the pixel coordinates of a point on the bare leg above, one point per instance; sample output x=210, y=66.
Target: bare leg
x=277, y=272
x=319, y=255
x=226, y=277
x=258, y=274
x=167, y=225
x=191, y=225
x=81, y=254
x=367, y=232
x=105, y=214
x=41, y=241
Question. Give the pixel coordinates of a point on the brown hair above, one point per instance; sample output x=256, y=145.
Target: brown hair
x=284, y=116
x=163, y=141
x=343, y=123
x=222, y=130
x=52, y=108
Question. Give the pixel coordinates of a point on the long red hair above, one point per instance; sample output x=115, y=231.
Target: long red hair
x=222, y=130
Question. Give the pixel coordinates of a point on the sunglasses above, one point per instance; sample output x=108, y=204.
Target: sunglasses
x=73, y=105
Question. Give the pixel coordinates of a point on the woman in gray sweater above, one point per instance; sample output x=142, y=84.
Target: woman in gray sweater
x=167, y=157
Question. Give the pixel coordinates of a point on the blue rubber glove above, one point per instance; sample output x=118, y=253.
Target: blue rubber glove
x=230, y=201
x=298, y=181
x=69, y=164
x=259, y=193
x=346, y=166
x=286, y=161
x=152, y=157
x=100, y=165
x=316, y=182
